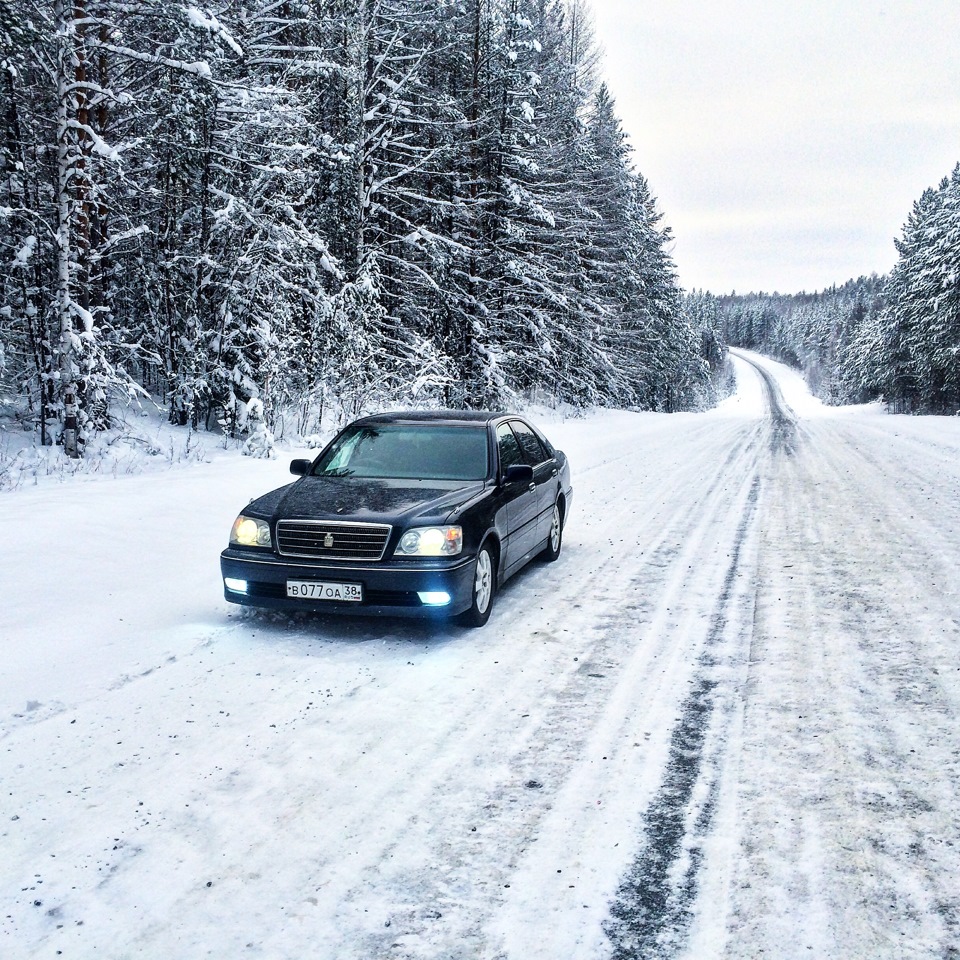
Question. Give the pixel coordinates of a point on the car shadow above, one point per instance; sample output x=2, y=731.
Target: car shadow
x=350, y=629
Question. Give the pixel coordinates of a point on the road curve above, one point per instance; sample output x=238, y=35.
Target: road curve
x=783, y=436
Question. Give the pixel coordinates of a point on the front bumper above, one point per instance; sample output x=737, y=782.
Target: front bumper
x=390, y=588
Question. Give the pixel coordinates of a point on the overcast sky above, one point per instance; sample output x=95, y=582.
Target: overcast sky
x=786, y=142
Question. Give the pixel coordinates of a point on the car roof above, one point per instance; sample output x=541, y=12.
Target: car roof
x=435, y=416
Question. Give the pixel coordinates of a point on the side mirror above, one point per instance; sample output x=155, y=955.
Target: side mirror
x=300, y=468
x=519, y=473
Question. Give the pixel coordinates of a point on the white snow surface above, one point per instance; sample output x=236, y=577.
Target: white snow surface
x=723, y=725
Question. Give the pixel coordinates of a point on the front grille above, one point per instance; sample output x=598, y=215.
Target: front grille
x=332, y=540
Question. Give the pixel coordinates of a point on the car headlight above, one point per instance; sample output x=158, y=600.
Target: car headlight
x=430, y=542
x=250, y=532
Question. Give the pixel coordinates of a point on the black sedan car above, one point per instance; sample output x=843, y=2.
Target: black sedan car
x=404, y=514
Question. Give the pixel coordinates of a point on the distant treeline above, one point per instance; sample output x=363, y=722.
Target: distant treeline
x=346, y=202
x=896, y=338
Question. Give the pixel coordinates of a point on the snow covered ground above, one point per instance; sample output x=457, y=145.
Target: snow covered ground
x=724, y=724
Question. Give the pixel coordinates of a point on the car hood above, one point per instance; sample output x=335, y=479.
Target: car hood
x=372, y=501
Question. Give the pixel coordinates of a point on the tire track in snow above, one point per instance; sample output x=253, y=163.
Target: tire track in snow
x=654, y=903
x=657, y=899
x=650, y=651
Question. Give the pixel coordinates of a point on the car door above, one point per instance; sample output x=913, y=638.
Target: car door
x=544, y=475
x=522, y=504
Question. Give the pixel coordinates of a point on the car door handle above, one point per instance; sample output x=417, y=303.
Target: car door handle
x=554, y=473
x=532, y=487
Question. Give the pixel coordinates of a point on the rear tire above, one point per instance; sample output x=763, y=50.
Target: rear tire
x=484, y=588
x=555, y=538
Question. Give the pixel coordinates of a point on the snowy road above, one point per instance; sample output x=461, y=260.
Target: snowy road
x=725, y=724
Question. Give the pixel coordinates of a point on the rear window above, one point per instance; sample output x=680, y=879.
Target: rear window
x=405, y=451
x=533, y=449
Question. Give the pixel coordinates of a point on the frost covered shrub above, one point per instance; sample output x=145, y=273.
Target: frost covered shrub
x=259, y=442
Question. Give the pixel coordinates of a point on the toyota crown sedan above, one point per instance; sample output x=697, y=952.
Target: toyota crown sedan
x=404, y=514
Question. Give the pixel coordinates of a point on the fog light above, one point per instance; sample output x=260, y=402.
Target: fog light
x=237, y=586
x=434, y=598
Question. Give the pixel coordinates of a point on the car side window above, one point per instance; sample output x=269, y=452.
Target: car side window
x=510, y=453
x=533, y=450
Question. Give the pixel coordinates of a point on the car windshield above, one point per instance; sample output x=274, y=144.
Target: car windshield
x=408, y=451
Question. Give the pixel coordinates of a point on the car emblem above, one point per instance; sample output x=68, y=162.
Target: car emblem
x=328, y=541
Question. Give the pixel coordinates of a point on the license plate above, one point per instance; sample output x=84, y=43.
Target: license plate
x=315, y=590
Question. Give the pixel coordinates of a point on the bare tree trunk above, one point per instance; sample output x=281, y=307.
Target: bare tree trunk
x=470, y=368
x=13, y=157
x=364, y=74
x=67, y=360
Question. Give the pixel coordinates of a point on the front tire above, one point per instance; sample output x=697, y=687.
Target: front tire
x=484, y=588
x=555, y=538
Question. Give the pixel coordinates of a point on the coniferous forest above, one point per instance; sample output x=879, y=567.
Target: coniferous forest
x=895, y=338
x=293, y=207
